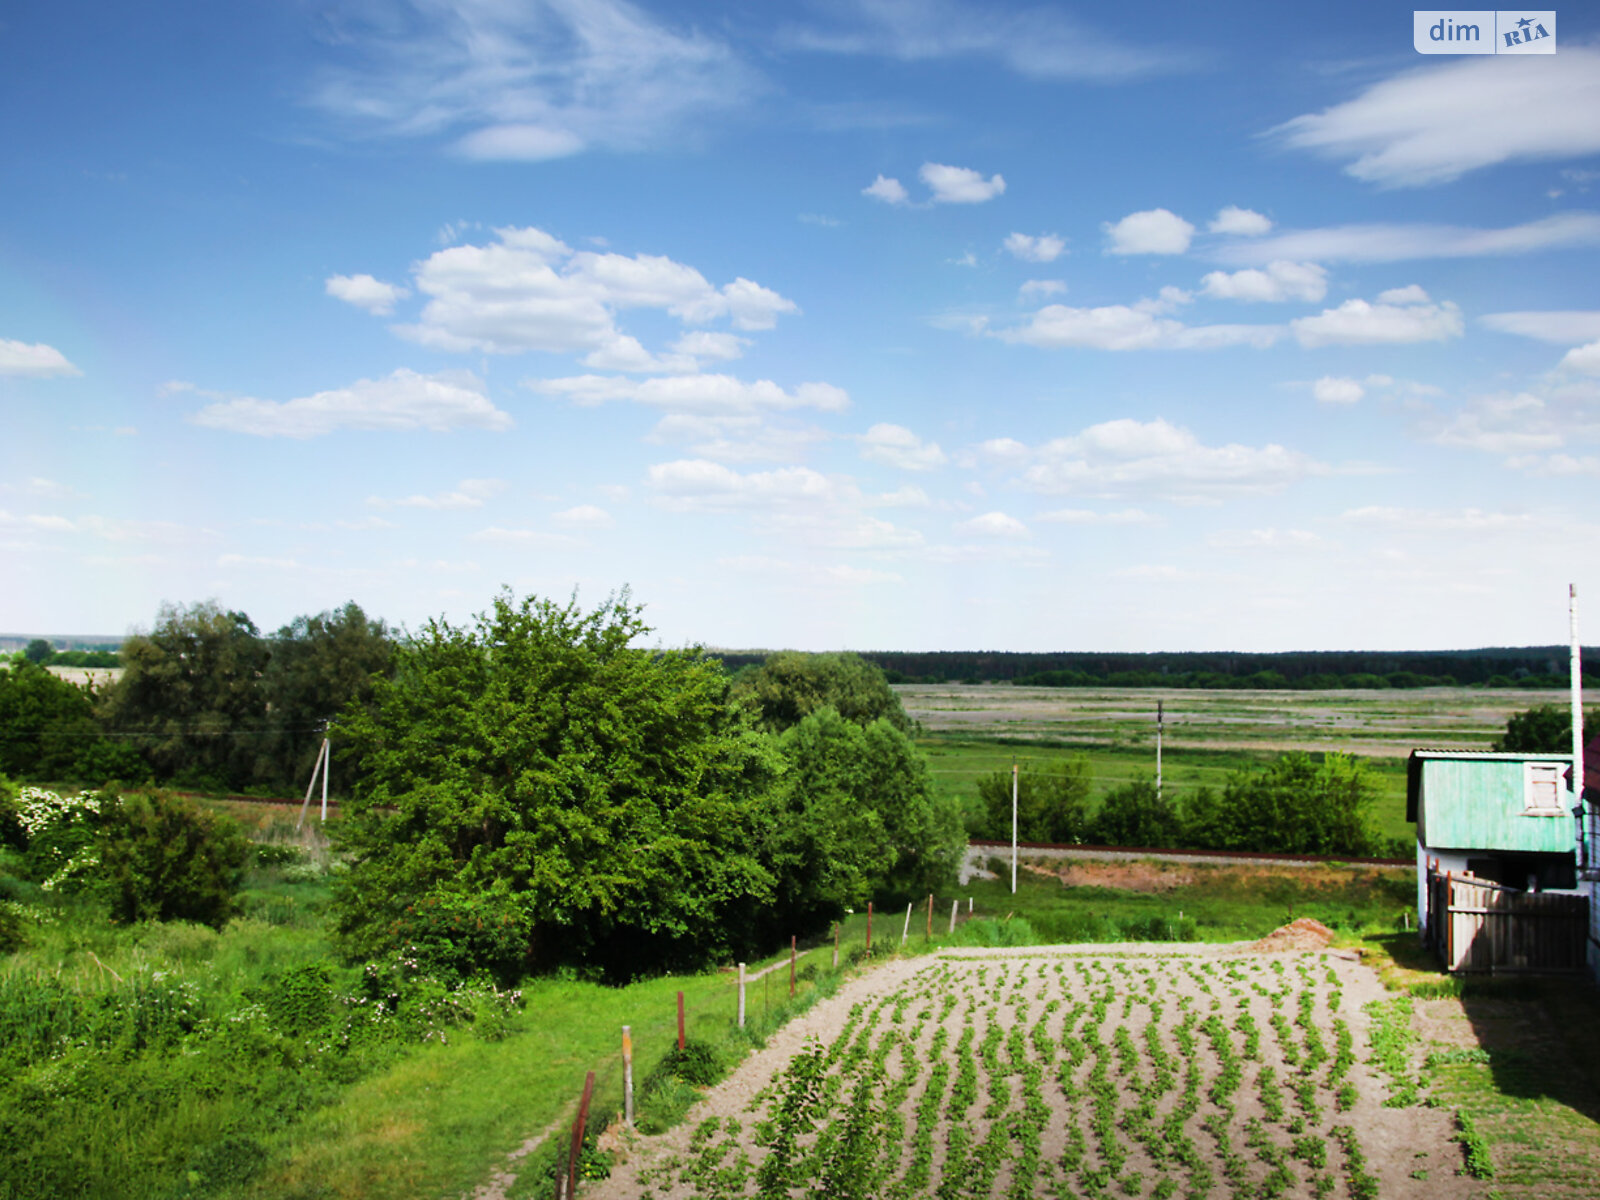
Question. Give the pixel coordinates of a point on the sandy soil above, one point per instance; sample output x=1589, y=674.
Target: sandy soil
x=1042, y=988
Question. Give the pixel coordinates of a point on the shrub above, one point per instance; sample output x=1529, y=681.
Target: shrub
x=163, y=859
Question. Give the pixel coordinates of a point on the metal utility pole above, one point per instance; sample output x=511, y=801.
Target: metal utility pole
x=1013, y=829
x=1159, y=714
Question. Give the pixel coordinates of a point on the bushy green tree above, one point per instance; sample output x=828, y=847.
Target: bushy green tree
x=1542, y=729
x=538, y=779
x=38, y=652
x=1293, y=806
x=1135, y=815
x=190, y=696
x=163, y=858
x=854, y=816
x=317, y=666
x=1052, y=803
x=48, y=731
x=789, y=686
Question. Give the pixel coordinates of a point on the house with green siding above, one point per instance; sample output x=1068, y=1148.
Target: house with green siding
x=1503, y=817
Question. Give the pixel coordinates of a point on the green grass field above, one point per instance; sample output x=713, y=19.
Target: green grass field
x=958, y=762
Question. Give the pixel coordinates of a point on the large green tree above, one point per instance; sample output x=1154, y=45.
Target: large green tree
x=317, y=666
x=190, y=696
x=854, y=817
x=536, y=789
x=789, y=686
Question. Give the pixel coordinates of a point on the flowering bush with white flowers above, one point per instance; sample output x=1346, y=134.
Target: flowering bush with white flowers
x=60, y=835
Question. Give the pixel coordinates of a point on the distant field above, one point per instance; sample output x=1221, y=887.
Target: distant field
x=1372, y=723
x=970, y=730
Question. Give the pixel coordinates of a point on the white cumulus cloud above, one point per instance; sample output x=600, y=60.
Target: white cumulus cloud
x=33, y=360
x=527, y=290
x=1152, y=458
x=959, y=185
x=1156, y=231
x=1047, y=247
x=1331, y=389
x=890, y=191
x=1278, y=282
x=404, y=400
x=1583, y=359
x=364, y=291
x=1241, y=222
x=897, y=446
x=1357, y=322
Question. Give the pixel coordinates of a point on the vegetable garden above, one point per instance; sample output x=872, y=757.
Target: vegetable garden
x=1170, y=1074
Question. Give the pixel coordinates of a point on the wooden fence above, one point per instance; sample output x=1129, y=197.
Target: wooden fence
x=1478, y=926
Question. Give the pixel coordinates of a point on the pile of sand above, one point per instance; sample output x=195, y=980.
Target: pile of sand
x=1302, y=934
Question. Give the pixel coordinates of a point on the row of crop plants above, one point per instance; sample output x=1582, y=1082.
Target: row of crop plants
x=1073, y=1076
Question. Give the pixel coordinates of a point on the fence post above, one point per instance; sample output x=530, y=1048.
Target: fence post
x=930, y=917
x=906, y=932
x=680, y=1020
x=577, y=1134
x=836, y=925
x=741, y=995
x=955, y=906
x=791, y=966
x=627, y=1075
x=869, y=926
x=969, y=906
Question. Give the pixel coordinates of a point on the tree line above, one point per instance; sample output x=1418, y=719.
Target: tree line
x=1521, y=667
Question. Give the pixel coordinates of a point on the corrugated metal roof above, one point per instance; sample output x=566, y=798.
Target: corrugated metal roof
x=1478, y=802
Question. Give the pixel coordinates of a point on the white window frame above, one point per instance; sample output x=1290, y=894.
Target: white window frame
x=1534, y=774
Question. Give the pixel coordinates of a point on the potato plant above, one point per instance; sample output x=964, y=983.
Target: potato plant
x=1071, y=1075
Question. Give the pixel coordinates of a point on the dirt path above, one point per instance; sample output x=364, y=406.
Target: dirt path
x=891, y=1020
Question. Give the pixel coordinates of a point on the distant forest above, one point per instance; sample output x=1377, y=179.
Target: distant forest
x=1509, y=667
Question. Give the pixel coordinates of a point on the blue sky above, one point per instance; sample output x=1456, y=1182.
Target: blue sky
x=857, y=323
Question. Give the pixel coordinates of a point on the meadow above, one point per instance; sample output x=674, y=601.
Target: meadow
x=971, y=730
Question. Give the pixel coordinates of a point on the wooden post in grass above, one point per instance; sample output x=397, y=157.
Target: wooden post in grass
x=906, y=932
x=791, y=966
x=680, y=1020
x=741, y=995
x=577, y=1135
x=930, y=917
x=955, y=906
x=627, y=1075
x=836, y=945
x=869, y=926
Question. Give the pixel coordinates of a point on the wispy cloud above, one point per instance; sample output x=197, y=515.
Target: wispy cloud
x=1434, y=124
x=1399, y=243
x=528, y=81
x=1037, y=42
